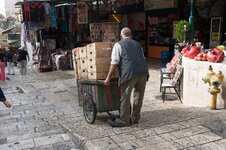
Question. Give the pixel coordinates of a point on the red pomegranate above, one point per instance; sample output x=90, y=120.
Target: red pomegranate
x=215, y=55
x=185, y=49
x=194, y=51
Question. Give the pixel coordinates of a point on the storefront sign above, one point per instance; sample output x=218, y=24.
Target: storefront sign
x=82, y=13
x=159, y=4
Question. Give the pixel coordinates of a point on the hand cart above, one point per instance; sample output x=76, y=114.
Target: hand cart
x=95, y=97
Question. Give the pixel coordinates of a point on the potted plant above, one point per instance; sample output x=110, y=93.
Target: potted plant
x=182, y=33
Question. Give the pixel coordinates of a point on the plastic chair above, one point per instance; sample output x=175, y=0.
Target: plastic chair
x=173, y=83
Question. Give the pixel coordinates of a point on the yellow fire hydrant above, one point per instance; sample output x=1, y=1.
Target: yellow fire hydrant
x=214, y=80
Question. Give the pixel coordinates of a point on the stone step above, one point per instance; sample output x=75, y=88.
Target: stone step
x=15, y=131
x=56, y=141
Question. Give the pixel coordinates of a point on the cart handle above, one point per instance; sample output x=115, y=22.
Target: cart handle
x=96, y=82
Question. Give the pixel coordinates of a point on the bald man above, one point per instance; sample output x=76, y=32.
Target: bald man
x=128, y=57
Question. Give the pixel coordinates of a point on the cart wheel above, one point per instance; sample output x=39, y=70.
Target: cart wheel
x=89, y=109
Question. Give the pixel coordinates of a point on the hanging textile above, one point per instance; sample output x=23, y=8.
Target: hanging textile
x=53, y=15
x=26, y=12
x=63, y=21
x=82, y=13
x=23, y=34
x=70, y=21
x=47, y=14
x=37, y=12
x=47, y=8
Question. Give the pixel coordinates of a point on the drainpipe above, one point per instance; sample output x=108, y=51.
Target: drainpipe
x=191, y=20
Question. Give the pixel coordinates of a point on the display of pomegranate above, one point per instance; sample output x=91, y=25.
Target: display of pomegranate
x=201, y=56
x=185, y=49
x=191, y=52
x=215, y=55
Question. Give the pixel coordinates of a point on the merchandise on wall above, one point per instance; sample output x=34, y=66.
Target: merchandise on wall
x=62, y=27
x=104, y=32
x=82, y=13
x=110, y=32
x=161, y=34
x=95, y=32
x=136, y=22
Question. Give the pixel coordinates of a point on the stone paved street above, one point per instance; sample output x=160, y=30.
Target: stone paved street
x=46, y=115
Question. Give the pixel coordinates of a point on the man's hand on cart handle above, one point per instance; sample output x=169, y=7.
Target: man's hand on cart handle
x=106, y=81
x=110, y=72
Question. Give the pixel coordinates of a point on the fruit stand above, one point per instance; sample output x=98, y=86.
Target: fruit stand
x=196, y=64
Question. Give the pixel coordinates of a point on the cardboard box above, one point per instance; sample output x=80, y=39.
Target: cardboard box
x=99, y=50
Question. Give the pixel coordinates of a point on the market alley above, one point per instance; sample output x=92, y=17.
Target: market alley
x=46, y=115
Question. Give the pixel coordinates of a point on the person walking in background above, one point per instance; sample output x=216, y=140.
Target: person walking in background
x=128, y=56
x=6, y=102
x=2, y=66
x=23, y=57
x=9, y=62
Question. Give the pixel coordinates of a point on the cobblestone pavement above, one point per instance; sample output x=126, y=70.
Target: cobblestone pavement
x=46, y=115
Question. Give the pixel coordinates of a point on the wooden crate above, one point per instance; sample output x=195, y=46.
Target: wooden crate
x=97, y=76
x=83, y=63
x=75, y=53
x=82, y=74
x=82, y=52
x=77, y=68
x=101, y=75
x=98, y=65
x=99, y=50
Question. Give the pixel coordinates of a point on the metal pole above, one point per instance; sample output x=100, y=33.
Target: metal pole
x=191, y=20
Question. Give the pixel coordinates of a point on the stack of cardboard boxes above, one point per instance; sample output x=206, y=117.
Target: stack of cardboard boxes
x=92, y=62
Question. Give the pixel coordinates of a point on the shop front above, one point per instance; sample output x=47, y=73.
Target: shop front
x=161, y=17
x=50, y=29
x=133, y=16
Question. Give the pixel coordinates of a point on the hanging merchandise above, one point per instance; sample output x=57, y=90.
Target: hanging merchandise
x=47, y=8
x=26, y=12
x=47, y=14
x=74, y=21
x=70, y=19
x=62, y=19
x=37, y=12
x=82, y=13
x=51, y=44
x=23, y=34
x=53, y=15
x=43, y=57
